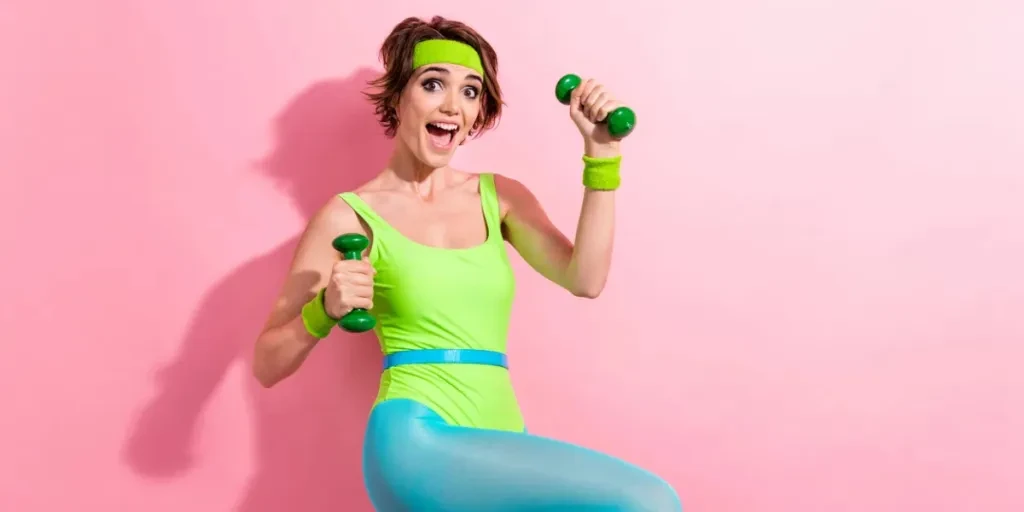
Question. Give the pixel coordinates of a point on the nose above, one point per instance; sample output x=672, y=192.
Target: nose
x=450, y=105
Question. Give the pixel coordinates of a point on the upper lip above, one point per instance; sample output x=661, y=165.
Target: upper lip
x=443, y=123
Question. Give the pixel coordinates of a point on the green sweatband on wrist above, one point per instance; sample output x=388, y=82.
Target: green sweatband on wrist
x=315, y=317
x=601, y=173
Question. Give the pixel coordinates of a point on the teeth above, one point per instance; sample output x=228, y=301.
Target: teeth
x=446, y=126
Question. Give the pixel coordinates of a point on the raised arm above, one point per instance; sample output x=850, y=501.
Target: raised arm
x=285, y=342
x=580, y=266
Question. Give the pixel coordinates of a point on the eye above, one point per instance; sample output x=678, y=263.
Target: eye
x=471, y=92
x=431, y=84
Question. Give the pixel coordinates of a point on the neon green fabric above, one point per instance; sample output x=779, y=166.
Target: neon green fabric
x=315, y=317
x=428, y=298
x=446, y=51
x=602, y=173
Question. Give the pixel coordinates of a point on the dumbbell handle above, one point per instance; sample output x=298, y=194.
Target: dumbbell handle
x=351, y=247
x=619, y=122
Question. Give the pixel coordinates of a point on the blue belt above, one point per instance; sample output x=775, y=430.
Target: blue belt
x=446, y=356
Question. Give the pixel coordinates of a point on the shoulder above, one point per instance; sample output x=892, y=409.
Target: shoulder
x=512, y=193
x=506, y=184
x=336, y=216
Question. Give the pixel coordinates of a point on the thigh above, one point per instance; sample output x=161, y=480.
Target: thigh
x=442, y=467
x=506, y=471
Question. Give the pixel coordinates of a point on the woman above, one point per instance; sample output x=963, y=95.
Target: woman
x=445, y=432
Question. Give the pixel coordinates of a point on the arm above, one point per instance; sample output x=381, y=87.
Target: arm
x=579, y=266
x=284, y=343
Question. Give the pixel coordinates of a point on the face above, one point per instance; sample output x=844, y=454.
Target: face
x=437, y=110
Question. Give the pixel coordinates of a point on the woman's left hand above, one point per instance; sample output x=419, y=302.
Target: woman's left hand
x=589, y=104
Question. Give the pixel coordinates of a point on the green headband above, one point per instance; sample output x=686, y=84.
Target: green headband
x=446, y=51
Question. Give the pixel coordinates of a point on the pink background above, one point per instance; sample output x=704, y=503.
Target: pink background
x=817, y=296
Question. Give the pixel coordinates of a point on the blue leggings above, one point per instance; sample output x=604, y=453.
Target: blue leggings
x=415, y=461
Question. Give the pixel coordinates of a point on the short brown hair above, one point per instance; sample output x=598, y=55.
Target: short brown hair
x=396, y=55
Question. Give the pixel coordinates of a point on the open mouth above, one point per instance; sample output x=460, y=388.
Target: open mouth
x=442, y=135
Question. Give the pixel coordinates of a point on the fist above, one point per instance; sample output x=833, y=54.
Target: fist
x=349, y=287
x=589, y=104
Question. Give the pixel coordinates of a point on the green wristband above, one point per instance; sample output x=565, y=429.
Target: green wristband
x=315, y=317
x=601, y=173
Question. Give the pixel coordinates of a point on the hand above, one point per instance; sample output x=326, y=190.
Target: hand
x=349, y=287
x=589, y=104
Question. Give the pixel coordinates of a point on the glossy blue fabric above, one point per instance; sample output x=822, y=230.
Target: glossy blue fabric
x=415, y=461
x=446, y=356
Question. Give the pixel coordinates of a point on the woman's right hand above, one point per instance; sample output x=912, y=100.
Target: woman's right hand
x=349, y=287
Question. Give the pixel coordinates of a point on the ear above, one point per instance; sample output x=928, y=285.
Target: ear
x=470, y=135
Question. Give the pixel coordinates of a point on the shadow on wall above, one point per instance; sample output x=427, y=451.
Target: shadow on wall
x=308, y=428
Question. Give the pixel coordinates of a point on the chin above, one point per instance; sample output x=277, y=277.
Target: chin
x=434, y=155
x=436, y=161
x=431, y=157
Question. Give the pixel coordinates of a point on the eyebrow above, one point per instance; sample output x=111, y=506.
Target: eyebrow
x=471, y=76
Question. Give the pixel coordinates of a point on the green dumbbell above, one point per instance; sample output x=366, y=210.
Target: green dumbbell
x=620, y=121
x=351, y=247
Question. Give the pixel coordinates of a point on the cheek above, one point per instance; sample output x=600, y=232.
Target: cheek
x=409, y=119
x=406, y=112
x=473, y=110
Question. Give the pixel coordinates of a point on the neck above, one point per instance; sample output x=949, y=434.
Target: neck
x=410, y=173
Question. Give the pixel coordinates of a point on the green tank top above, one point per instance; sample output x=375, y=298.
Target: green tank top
x=429, y=298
